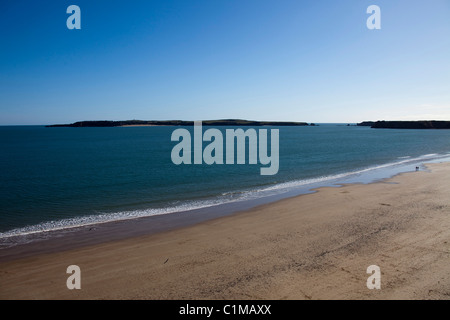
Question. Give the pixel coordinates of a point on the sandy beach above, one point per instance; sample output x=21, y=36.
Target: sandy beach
x=314, y=246
x=140, y=125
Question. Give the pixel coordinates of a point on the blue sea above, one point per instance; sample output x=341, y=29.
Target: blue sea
x=60, y=178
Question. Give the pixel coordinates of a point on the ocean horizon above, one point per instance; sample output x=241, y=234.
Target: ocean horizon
x=61, y=178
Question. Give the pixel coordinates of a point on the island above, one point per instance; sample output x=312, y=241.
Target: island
x=136, y=123
x=422, y=124
x=366, y=124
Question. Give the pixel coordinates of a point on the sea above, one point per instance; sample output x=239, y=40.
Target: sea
x=62, y=178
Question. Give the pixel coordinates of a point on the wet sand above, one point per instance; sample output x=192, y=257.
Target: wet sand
x=314, y=246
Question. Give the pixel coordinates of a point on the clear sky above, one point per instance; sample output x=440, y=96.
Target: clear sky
x=294, y=60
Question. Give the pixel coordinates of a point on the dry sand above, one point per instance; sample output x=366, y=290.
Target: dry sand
x=315, y=246
x=140, y=125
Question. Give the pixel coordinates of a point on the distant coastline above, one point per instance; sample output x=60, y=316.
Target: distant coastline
x=421, y=124
x=137, y=123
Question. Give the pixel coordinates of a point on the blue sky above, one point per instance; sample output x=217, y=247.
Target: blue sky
x=293, y=60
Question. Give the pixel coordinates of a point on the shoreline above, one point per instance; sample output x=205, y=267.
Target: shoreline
x=74, y=236
x=98, y=232
x=314, y=246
